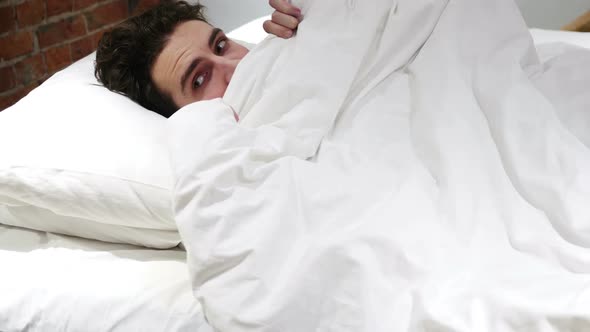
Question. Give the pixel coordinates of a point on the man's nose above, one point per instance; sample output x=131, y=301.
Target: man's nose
x=227, y=67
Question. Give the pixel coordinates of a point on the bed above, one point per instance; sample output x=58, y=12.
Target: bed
x=51, y=282
x=58, y=283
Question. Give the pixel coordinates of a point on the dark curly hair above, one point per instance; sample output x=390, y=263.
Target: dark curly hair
x=126, y=54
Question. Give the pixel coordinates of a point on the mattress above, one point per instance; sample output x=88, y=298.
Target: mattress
x=56, y=283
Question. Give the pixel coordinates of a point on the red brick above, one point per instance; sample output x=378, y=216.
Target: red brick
x=97, y=36
x=61, y=31
x=42, y=79
x=81, y=4
x=57, y=58
x=106, y=14
x=30, y=69
x=144, y=5
x=16, y=44
x=82, y=47
x=7, y=79
x=56, y=7
x=11, y=98
x=30, y=12
x=85, y=46
x=7, y=19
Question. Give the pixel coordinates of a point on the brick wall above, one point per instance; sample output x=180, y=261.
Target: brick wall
x=41, y=37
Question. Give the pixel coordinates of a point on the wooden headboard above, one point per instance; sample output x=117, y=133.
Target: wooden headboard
x=582, y=23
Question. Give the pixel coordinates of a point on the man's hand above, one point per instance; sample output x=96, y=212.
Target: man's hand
x=284, y=20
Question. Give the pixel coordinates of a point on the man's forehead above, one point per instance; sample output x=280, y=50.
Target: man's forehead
x=192, y=28
x=188, y=42
x=187, y=39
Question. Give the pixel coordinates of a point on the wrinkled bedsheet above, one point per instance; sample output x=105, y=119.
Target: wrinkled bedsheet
x=400, y=165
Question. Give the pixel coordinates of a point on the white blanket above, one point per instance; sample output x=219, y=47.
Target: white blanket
x=400, y=165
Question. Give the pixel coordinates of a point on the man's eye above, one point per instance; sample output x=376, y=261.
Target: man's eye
x=199, y=80
x=220, y=46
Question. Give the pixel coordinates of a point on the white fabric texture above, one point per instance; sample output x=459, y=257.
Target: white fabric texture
x=58, y=283
x=80, y=160
x=402, y=165
x=554, y=43
x=581, y=39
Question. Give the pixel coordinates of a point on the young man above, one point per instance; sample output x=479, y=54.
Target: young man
x=169, y=56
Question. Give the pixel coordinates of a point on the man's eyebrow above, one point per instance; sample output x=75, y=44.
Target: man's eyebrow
x=187, y=72
x=195, y=62
x=214, y=34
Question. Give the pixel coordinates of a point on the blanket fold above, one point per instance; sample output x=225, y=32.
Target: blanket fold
x=399, y=165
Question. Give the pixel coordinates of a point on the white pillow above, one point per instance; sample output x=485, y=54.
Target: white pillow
x=80, y=160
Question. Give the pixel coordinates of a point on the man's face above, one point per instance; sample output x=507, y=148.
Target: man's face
x=196, y=64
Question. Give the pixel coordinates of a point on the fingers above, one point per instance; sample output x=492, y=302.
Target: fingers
x=285, y=20
x=277, y=30
x=285, y=7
